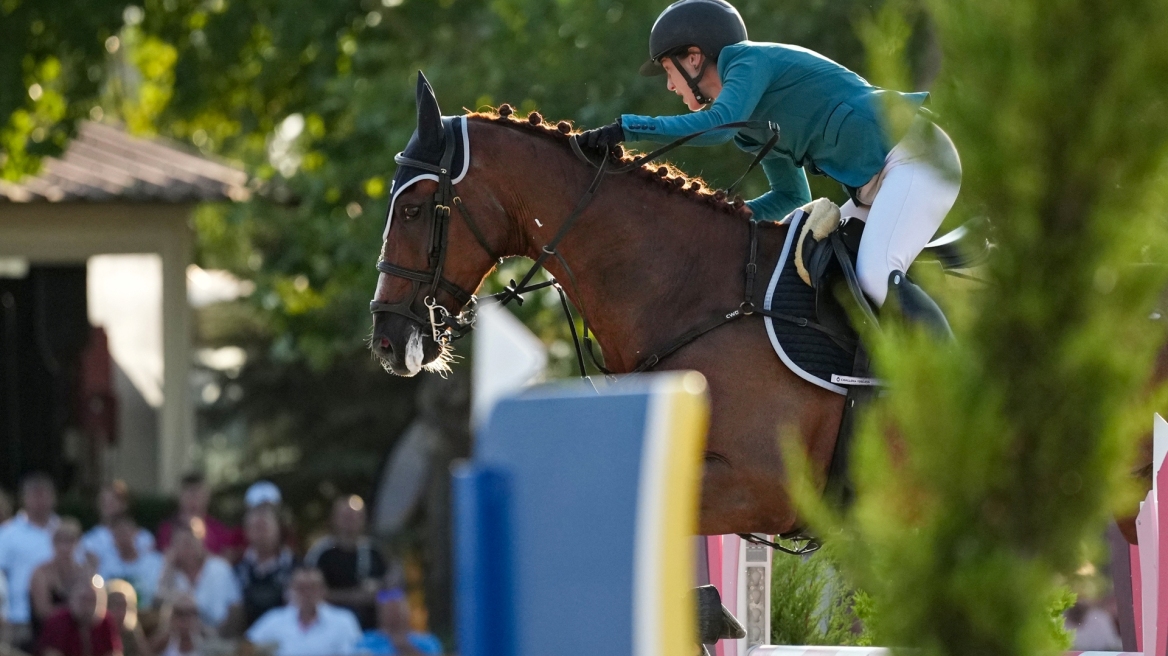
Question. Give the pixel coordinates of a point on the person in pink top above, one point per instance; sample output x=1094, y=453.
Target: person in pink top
x=81, y=628
x=194, y=497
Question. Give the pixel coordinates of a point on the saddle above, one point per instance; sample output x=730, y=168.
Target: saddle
x=816, y=279
x=825, y=259
x=826, y=246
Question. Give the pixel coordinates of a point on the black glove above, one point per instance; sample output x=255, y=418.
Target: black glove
x=602, y=138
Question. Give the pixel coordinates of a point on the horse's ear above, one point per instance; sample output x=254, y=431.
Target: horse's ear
x=429, y=116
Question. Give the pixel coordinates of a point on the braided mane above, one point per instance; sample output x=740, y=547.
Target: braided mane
x=663, y=175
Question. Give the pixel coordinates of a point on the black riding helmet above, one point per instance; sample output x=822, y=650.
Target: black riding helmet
x=708, y=24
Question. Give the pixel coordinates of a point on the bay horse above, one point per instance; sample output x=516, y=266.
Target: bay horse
x=653, y=255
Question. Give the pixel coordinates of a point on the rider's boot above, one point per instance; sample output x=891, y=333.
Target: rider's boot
x=915, y=306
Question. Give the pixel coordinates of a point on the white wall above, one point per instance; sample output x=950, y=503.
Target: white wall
x=125, y=298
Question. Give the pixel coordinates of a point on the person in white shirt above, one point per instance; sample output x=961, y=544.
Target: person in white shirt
x=189, y=569
x=26, y=541
x=140, y=567
x=113, y=501
x=307, y=626
x=182, y=632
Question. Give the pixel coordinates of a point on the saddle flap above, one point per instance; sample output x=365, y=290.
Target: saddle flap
x=830, y=312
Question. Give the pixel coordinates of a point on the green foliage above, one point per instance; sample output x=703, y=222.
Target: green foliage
x=812, y=605
x=226, y=75
x=51, y=63
x=315, y=431
x=1060, y=636
x=995, y=458
x=345, y=74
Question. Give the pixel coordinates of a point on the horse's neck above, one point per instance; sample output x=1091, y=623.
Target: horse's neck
x=646, y=264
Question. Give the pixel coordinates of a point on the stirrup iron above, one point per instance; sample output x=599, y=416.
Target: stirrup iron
x=915, y=306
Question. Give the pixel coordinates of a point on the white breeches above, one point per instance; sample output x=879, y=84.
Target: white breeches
x=904, y=205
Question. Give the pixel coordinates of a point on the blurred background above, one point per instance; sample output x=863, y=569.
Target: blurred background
x=191, y=204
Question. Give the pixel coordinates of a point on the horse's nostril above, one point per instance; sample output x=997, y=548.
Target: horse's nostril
x=385, y=342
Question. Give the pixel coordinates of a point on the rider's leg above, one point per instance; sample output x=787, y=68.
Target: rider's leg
x=912, y=195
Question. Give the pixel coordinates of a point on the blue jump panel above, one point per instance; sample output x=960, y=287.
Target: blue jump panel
x=548, y=514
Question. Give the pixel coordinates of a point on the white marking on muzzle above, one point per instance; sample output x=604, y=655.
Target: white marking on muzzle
x=414, y=353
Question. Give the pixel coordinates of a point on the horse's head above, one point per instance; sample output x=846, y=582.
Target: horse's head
x=431, y=260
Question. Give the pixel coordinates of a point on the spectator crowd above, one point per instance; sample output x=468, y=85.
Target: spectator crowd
x=197, y=586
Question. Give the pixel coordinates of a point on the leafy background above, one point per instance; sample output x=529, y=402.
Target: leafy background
x=314, y=99
x=1057, y=107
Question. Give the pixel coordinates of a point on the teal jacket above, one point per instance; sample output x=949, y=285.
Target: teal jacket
x=830, y=120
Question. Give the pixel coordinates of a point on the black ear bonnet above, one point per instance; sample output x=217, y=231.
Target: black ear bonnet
x=434, y=135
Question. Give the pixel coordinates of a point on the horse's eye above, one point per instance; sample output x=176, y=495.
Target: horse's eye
x=411, y=211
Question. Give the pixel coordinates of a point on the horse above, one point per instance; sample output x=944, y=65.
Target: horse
x=654, y=254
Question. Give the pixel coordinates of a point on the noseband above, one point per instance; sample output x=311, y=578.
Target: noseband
x=444, y=325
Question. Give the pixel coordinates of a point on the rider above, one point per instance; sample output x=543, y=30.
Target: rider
x=832, y=122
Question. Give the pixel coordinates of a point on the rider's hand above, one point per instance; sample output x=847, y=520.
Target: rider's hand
x=602, y=138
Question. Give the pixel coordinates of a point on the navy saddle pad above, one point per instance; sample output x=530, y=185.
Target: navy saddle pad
x=810, y=353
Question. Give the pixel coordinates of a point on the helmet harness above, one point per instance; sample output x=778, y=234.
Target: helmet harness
x=692, y=81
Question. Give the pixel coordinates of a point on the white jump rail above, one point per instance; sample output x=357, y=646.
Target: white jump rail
x=1149, y=573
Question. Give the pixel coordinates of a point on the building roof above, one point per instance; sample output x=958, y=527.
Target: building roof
x=105, y=164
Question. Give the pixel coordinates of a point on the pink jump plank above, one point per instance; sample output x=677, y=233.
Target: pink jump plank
x=773, y=650
x=1137, y=582
x=1161, y=554
x=1146, y=529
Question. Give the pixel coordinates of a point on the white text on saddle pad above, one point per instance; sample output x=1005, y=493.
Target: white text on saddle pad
x=855, y=380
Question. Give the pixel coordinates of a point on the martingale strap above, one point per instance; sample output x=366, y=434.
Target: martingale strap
x=550, y=249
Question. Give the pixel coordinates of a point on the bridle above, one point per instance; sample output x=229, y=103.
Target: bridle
x=444, y=325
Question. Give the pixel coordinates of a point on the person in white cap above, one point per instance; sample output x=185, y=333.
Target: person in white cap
x=261, y=493
x=266, y=568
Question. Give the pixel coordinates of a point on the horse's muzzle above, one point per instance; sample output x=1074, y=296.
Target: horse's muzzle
x=403, y=346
